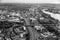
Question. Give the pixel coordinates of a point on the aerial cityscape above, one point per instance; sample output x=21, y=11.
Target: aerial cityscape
x=29, y=21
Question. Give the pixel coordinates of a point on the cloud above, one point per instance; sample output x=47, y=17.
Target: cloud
x=30, y=1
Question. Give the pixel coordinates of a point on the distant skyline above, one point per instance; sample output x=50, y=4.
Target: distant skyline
x=30, y=1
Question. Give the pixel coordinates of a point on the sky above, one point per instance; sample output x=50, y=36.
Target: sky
x=30, y=1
